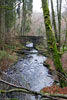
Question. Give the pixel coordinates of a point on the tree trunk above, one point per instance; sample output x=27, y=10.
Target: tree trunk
x=23, y=18
x=51, y=41
x=66, y=33
x=59, y=4
x=2, y=23
x=53, y=21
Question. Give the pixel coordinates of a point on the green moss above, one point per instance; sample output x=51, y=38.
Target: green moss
x=12, y=47
x=56, y=59
x=64, y=48
x=3, y=54
x=13, y=57
x=6, y=55
x=63, y=83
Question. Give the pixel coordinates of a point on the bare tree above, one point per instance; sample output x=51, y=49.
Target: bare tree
x=53, y=20
x=59, y=5
x=2, y=22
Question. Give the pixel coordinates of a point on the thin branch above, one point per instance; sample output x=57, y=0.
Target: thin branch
x=13, y=85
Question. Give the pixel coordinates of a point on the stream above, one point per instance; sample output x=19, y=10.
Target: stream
x=29, y=72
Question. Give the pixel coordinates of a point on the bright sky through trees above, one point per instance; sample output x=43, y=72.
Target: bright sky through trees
x=37, y=7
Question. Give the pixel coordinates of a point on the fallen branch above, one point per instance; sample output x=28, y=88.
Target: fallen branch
x=27, y=91
x=59, y=96
x=13, y=85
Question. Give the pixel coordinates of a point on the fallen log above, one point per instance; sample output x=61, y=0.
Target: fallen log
x=27, y=91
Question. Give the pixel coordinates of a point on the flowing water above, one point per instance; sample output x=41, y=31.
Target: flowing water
x=30, y=69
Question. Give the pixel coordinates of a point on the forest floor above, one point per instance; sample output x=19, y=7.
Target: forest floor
x=6, y=62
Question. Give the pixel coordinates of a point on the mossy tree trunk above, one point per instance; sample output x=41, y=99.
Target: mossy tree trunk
x=51, y=41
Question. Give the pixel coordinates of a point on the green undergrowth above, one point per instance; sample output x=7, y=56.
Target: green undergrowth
x=28, y=42
x=2, y=54
x=5, y=54
x=15, y=46
x=9, y=51
x=12, y=47
x=64, y=48
x=41, y=47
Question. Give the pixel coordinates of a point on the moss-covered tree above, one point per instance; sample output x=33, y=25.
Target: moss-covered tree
x=52, y=42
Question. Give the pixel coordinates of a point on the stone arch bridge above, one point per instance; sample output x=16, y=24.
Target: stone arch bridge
x=34, y=39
